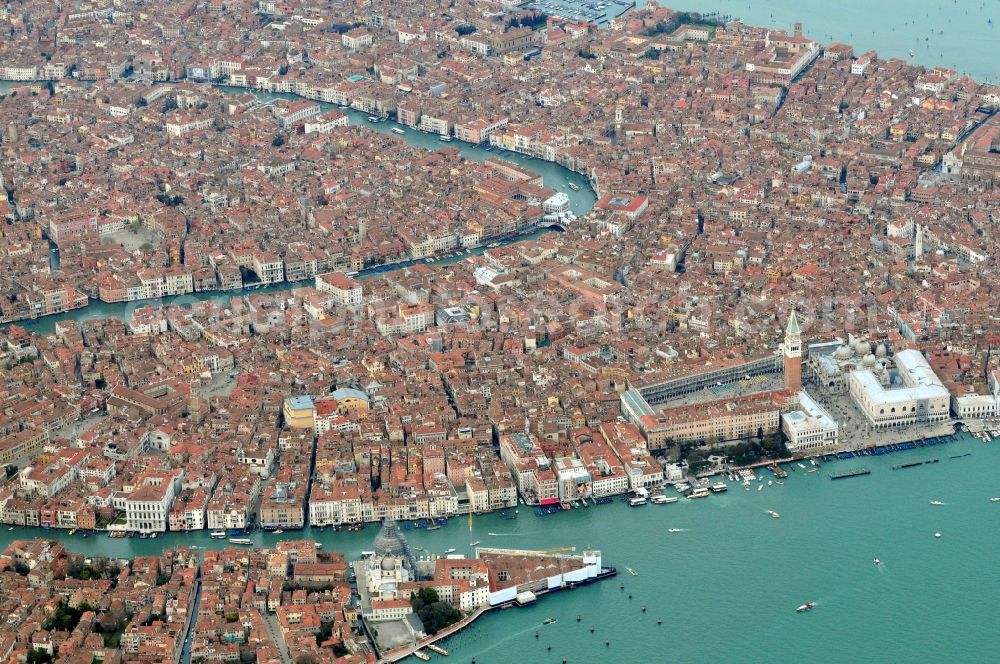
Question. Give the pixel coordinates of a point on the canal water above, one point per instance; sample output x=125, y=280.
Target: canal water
x=556, y=177
x=726, y=586
x=960, y=34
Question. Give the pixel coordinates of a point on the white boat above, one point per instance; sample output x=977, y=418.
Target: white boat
x=449, y=551
x=474, y=543
x=760, y=487
x=802, y=466
x=773, y=514
x=675, y=530
x=805, y=607
x=937, y=535
x=572, y=186
x=421, y=655
x=992, y=500
x=445, y=139
x=397, y=130
x=319, y=545
x=936, y=502
x=658, y=500
x=877, y=562
x=278, y=531
x=439, y=650
x=244, y=541
x=631, y=571
x=218, y=534
x=636, y=501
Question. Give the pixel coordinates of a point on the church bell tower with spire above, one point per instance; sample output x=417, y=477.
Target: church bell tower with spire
x=792, y=350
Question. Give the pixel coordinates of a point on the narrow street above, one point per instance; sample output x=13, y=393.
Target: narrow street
x=193, y=618
x=274, y=631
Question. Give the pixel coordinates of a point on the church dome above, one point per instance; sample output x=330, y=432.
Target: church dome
x=843, y=353
x=870, y=361
x=862, y=348
x=881, y=351
x=389, y=541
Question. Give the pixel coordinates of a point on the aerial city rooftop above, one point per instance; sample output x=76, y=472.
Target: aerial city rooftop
x=723, y=234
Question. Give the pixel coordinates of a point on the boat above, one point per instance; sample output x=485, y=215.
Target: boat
x=773, y=514
x=700, y=492
x=992, y=500
x=421, y=655
x=434, y=526
x=573, y=186
x=218, y=534
x=319, y=545
x=719, y=487
x=812, y=470
x=372, y=118
x=449, y=550
x=659, y=499
x=549, y=621
x=877, y=562
x=397, y=130
x=937, y=535
x=445, y=139
x=631, y=571
x=245, y=541
x=437, y=649
x=278, y=531
x=936, y=502
x=474, y=543
x=636, y=501
x=73, y=532
x=670, y=500
x=800, y=466
x=760, y=487
x=675, y=530
x=805, y=607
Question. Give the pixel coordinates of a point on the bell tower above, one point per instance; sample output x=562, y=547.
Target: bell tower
x=792, y=350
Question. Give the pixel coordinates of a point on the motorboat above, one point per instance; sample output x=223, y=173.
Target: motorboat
x=549, y=621
x=397, y=130
x=474, y=543
x=449, y=551
x=278, y=531
x=421, y=655
x=936, y=502
x=773, y=514
x=992, y=500
x=937, y=535
x=877, y=562
x=805, y=607
x=631, y=571
x=675, y=530
x=218, y=534
x=244, y=541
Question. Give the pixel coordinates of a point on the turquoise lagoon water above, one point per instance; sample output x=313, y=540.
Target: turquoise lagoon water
x=726, y=586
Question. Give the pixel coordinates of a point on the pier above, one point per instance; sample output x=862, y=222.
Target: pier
x=406, y=651
x=850, y=473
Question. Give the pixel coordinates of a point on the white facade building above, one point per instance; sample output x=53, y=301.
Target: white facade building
x=810, y=427
x=910, y=394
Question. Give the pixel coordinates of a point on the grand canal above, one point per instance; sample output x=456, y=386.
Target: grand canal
x=726, y=586
x=554, y=176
